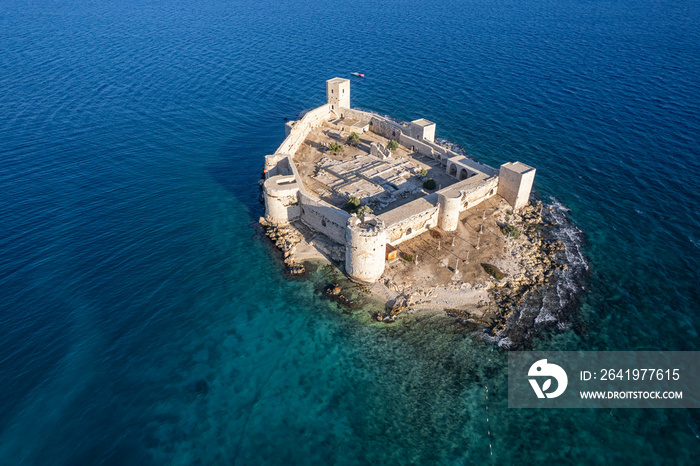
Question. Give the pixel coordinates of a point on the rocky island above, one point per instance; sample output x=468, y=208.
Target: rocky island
x=419, y=224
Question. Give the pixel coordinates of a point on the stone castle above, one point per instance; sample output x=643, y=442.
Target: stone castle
x=305, y=181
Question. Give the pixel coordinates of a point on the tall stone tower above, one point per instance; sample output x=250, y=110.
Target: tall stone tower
x=515, y=183
x=450, y=203
x=422, y=129
x=365, y=248
x=338, y=93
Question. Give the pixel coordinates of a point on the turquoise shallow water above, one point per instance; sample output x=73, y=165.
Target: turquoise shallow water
x=145, y=322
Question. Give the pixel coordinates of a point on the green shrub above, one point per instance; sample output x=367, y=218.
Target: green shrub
x=423, y=172
x=354, y=203
x=493, y=271
x=429, y=184
x=365, y=209
x=336, y=147
x=354, y=138
x=407, y=257
x=392, y=145
x=510, y=230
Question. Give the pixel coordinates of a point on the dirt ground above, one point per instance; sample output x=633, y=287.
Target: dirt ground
x=310, y=154
x=451, y=257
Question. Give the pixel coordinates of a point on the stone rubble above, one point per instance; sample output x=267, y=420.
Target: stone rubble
x=285, y=238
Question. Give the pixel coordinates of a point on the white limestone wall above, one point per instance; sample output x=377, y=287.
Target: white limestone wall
x=323, y=217
x=354, y=114
x=378, y=150
x=365, y=249
x=416, y=217
x=377, y=124
x=301, y=129
x=279, y=164
x=408, y=221
x=288, y=127
x=415, y=145
x=480, y=193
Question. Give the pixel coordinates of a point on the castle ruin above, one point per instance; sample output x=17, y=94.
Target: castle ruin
x=305, y=181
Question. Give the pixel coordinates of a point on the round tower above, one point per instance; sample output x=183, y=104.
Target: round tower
x=450, y=203
x=281, y=199
x=365, y=248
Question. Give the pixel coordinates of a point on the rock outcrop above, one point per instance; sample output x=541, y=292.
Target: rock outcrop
x=285, y=237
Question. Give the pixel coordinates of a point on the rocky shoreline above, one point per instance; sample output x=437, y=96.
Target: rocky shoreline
x=285, y=238
x=506, y=308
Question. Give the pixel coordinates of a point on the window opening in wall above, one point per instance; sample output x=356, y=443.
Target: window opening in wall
x=409, y=231
x=323, y=222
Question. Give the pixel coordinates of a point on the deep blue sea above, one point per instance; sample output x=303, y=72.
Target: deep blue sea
x=143, y=319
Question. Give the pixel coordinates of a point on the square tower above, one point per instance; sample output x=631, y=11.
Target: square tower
x=338, y=93
x=423, y=129
x=515, y=183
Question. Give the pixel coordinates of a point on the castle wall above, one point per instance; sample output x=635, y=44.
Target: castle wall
x=323, y=217
x=411, y=219
x=416, y=145
x=416, y=217
x=482, y=192
x=412, y=226
x=377, y=124
x=386, y=127
x=301, y=129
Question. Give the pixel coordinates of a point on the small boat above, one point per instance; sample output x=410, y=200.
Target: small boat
x=355, y=73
